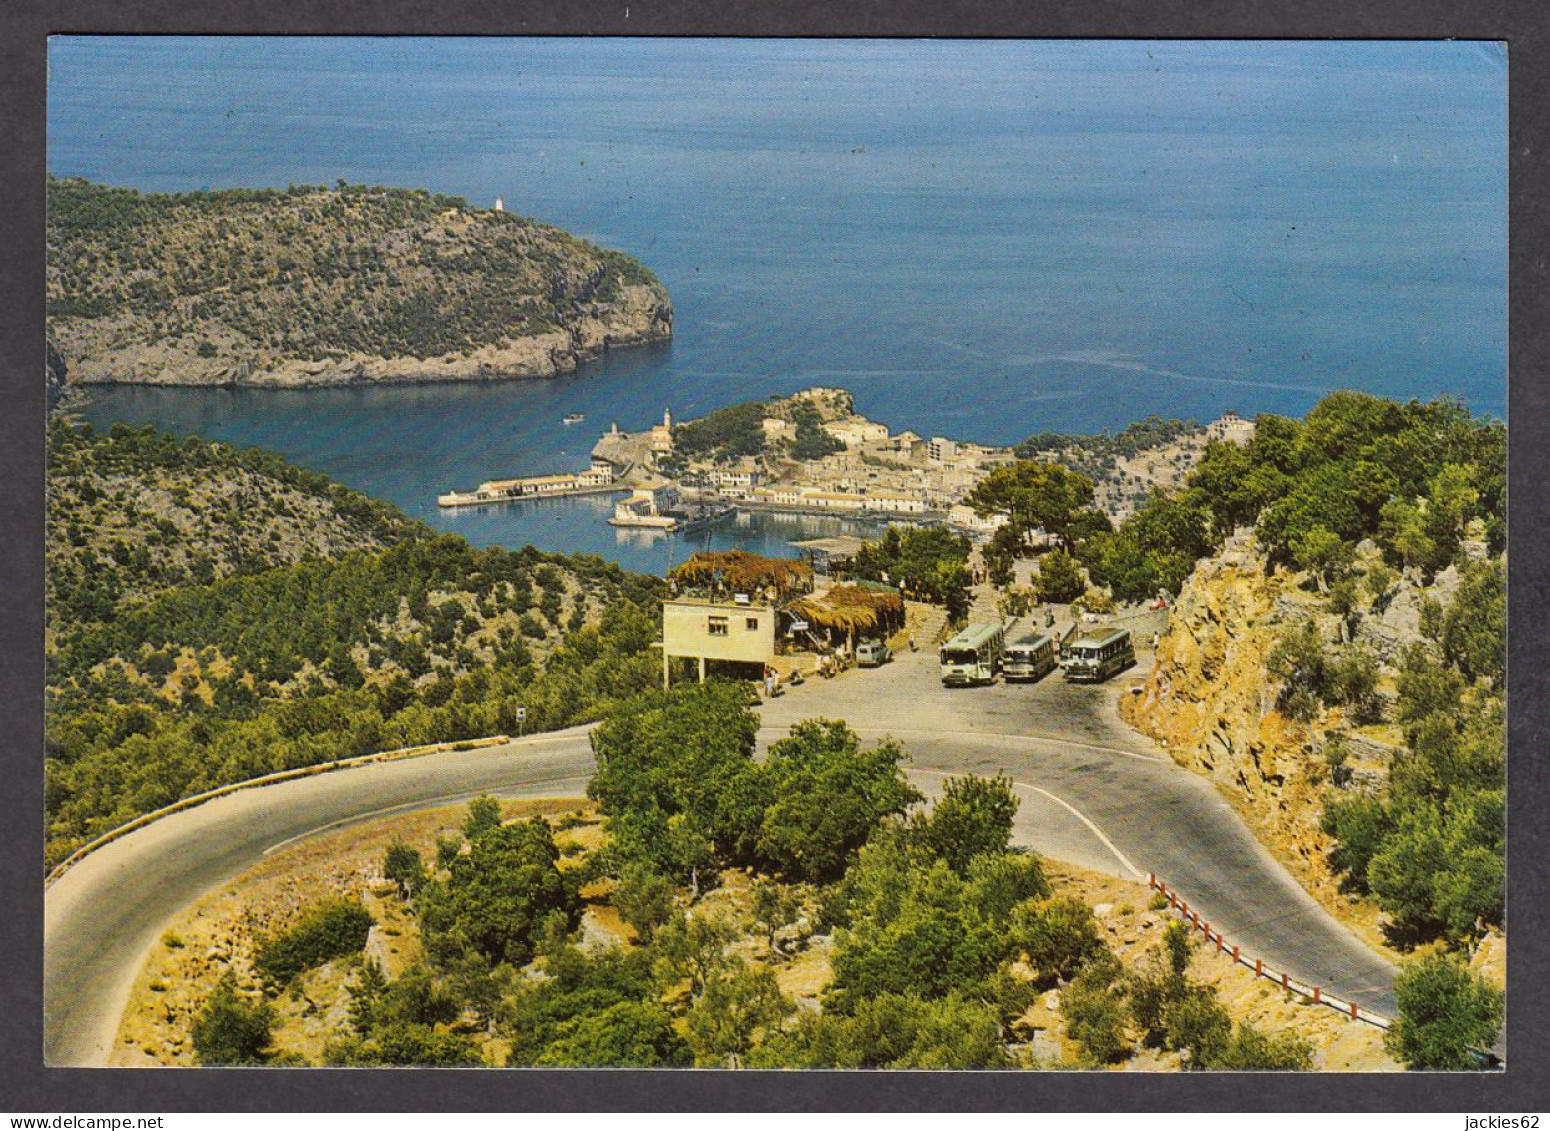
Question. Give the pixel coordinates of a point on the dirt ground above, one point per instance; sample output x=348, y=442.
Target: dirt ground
x=219, y=932
x=1133, y=929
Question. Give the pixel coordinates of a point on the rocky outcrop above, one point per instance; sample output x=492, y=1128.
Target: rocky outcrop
x=639, y=317
x=1210, y=701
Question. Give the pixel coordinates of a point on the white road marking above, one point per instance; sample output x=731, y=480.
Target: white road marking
x=1066, y=805
x=422, y=803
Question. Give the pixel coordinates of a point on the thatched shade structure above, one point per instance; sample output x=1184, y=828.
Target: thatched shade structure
x=852, y=609
x=739, y=571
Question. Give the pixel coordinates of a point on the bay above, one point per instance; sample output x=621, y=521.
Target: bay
x=979, y=239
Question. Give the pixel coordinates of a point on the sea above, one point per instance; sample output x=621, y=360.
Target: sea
x=980, y=239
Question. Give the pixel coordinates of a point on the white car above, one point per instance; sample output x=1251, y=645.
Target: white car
x=872, y=654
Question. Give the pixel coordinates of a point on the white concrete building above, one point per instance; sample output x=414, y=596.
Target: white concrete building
x=714, y=630
x=856, y=430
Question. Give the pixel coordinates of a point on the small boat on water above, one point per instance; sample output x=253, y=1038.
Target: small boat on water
x=574, y=418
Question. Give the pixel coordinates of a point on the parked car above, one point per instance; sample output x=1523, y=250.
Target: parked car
x=872, y=654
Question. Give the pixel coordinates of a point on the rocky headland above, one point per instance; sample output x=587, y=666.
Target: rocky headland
x=328, y=286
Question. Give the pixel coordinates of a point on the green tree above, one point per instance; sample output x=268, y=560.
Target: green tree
x=676, y=777
x=1059, y=578
x=891, y=1031
x=643, y=899
x=1196, y=1023
x=733, y=1013
x=1446, y=1015
x=628, y=1034
x=403, y=867
x=1094, y=1009
x=828, y=796
x=497, y=897
x=773, y=907
x=1474, y=631
x=1359, y=824
x=1057, y=936
x=1035, y=494
x=973, y=816
x=230, y=1030
x=1323, y=553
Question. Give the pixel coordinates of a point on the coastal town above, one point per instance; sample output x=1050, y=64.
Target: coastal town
x=812, y=453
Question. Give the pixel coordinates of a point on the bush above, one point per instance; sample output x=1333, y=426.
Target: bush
x=644, y=899
x=1445, y=1014
x=498, y=898
x=972, y=817
x=1251, y=1050
x=891, y=1031
x=231, y=1031
x=404, y=867
x=327, y=931
x=1057, y=935
x=1094, y=1008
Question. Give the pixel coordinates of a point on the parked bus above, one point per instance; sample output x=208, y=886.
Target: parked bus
x=1093, y=659
x=974, y=655
x=1031, y=658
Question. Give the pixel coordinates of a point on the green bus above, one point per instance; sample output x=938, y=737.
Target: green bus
x=974, y=655
x=1030, y=658
x=1093, y=659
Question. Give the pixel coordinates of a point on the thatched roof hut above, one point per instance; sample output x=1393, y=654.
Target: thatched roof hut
x=852, y=609
x=741, y=572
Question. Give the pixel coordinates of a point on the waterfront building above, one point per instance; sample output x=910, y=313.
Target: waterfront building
x=965, y=517
x=832, y=500
x=726, y=479
x=647, y=507
x=600, y=476
x=897, y=502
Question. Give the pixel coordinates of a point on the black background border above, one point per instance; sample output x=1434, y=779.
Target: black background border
x=25, y=1085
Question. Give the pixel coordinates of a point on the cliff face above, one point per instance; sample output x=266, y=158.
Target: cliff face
x=1212, y=701
x=317, y=286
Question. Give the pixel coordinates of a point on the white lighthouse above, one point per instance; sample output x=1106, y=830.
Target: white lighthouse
x=499, y=205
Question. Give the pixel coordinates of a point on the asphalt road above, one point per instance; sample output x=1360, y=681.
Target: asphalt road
x=1093, y=793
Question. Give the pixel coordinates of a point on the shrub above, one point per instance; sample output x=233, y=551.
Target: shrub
x=328, y=931
x=1094, y=1008
x=404, y=867
x=231, y=1031
x=1445, y=1013
x=1057, y=935
x=1059, y=578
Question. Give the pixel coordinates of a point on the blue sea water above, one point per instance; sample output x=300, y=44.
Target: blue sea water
x=979, y=239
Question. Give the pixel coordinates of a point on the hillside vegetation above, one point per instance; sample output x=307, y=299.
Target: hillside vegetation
x=803, y=911
x=360, y=633
x=314, y=285
x=1341, y=666
x=136, y=511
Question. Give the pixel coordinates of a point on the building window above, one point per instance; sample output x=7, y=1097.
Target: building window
x=753, y=623
x=718, y=626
